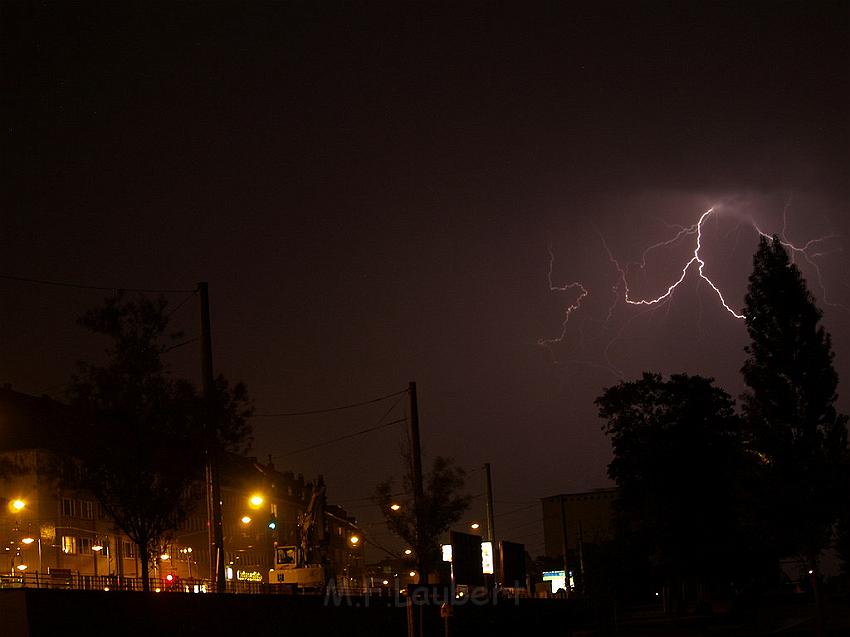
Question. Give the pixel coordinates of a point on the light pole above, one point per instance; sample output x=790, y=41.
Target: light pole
x=355, y=541
x=29, y=540
x=17, y=507
x=187, y=553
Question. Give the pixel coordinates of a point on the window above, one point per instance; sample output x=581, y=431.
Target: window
x=286, y=555
x=85, y=546
x=87, y=509
x=67, y=507
x=273, y=509
x=69, y=544
x=129, y=549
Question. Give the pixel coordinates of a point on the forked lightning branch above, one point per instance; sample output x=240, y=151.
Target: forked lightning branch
x=694, y=266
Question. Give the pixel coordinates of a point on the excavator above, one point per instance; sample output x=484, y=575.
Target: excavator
x=304, y=567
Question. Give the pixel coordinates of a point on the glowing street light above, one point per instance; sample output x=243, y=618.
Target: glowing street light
x=408, y=551
x=26, y=541
x=354, y=539
x=475, y=526
x=187, y=555
x=395, y=506
x=256, y=501
x=246, y=519
x=22, y=567
x=17, y=505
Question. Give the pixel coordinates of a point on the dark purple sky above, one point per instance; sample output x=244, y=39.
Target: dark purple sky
x=373, y=192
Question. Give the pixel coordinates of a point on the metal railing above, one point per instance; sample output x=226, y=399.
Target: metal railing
x=69, y=580
x=73, y=580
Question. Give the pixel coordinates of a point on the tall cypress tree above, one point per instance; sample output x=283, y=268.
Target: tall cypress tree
x=794, y=428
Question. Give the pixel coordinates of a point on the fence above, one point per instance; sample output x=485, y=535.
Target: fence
x=66, y=579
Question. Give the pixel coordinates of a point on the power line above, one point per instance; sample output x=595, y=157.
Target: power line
x=369, y=498
x=330, y=409
x=523, y=525
x=525, y=508
x=346, y=436
x=371, y=540
x=182, y=303
x=191, y=340
x=358, y=433
x=83, y=286
x=506, y=501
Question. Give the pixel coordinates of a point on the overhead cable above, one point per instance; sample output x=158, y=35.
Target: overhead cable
x=330, y=409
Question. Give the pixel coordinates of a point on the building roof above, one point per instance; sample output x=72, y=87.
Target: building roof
x=604, y=492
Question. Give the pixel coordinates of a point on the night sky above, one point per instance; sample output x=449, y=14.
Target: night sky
x=375, y=193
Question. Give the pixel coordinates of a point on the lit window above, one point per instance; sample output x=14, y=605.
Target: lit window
x=69, y=544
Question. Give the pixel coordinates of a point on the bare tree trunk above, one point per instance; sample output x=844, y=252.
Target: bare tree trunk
x=144, y=554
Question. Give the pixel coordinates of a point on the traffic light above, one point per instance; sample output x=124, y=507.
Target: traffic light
x=272, y=522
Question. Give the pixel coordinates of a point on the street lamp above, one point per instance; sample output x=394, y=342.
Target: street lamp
x=17, y=505
x=256, y=501
x=187, y=553
x=26, y=541
x=395, y=506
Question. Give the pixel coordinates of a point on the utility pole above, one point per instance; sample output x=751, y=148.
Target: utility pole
x=491, y=526
x=564, y=544
x=488, y=503
x=582, y=590
x=213, y=486
x=418, y=495
x=416, y=468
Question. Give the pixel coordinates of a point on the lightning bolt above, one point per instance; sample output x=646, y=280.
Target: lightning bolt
x=621, y=290
x=804, y=252
x=575, y=305
x=694, y=229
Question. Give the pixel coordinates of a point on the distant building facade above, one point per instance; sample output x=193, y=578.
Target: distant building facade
x=586, y=517
x=53, y=530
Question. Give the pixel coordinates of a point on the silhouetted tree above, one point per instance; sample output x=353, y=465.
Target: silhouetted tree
x=790, y=408
x=678, y=460
x=443, y=504
x=141, y=451
x=842, y=541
